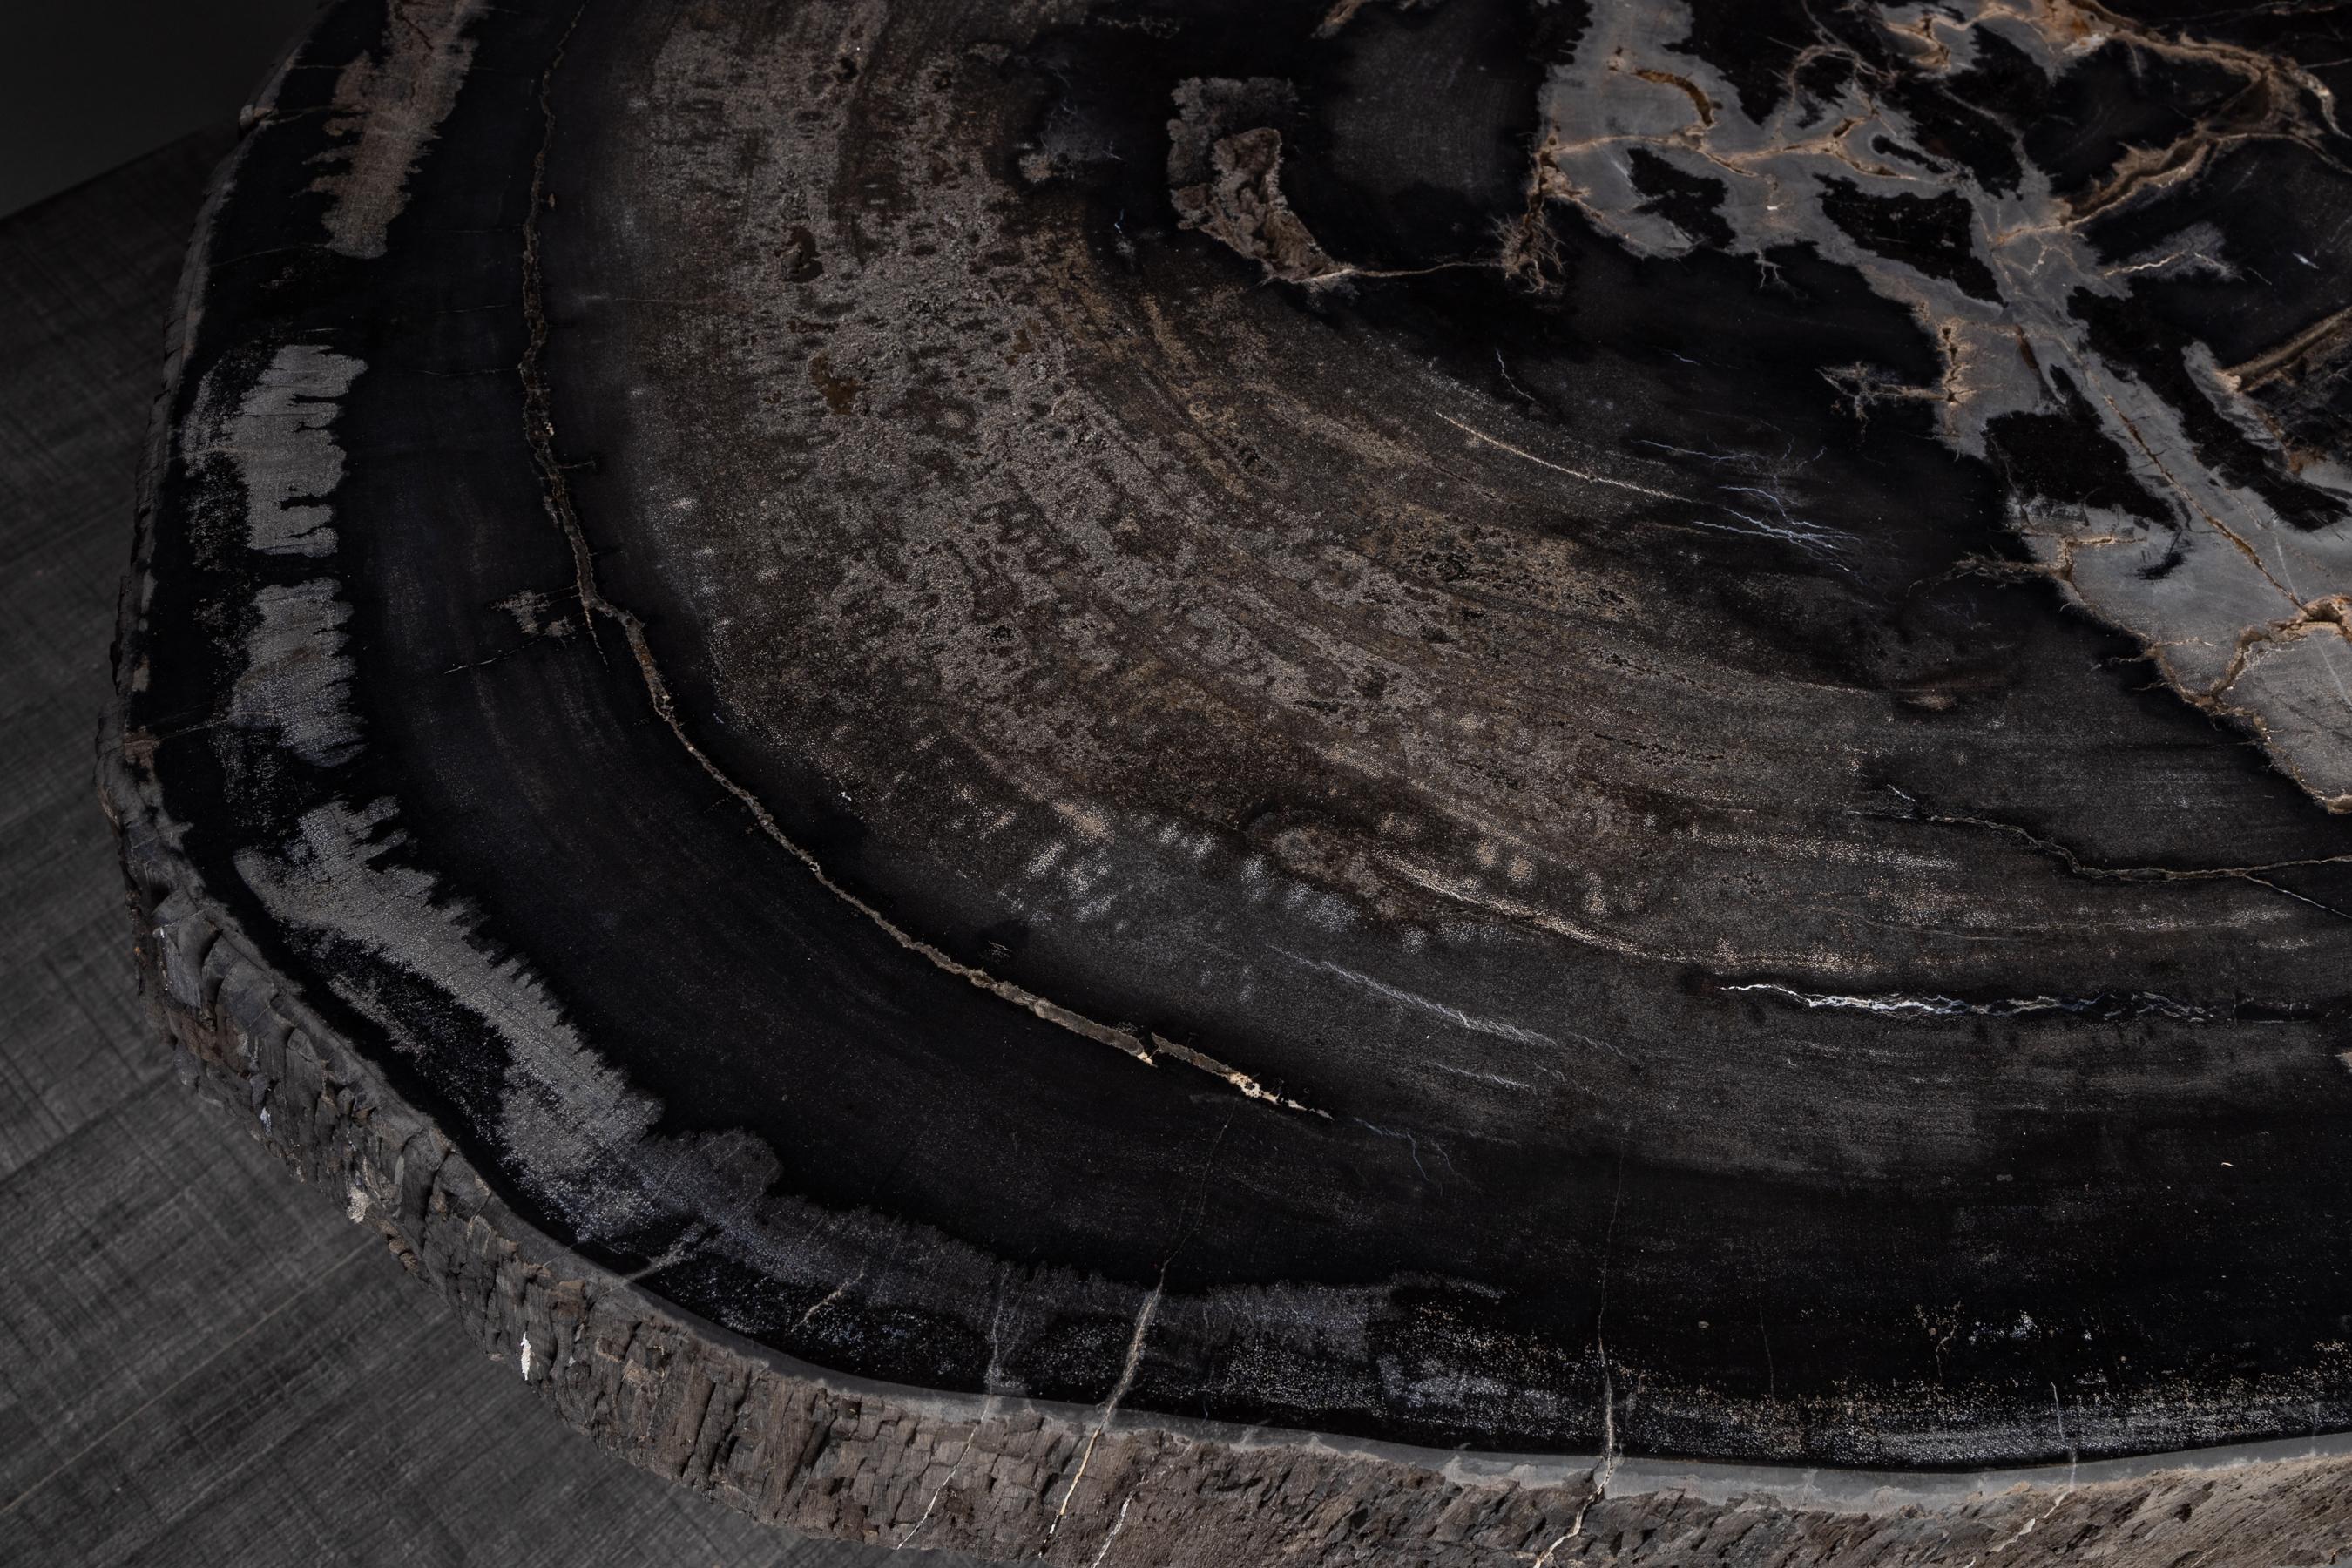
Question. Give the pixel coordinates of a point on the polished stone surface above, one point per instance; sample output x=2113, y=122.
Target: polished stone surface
x=1566, y=728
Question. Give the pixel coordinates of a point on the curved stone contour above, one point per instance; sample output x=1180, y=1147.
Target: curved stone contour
x=1013, y=1478
x=1369, y=721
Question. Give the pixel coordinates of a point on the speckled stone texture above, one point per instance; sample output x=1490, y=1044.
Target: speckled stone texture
x=1612, y=732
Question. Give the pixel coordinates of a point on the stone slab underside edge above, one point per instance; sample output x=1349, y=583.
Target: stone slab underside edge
x=791, y=1444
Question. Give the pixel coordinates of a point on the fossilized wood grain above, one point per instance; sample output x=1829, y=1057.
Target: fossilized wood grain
x=1014, y=1480
x=1586, y=732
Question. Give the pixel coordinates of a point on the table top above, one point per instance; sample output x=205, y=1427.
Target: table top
x=1546, y=730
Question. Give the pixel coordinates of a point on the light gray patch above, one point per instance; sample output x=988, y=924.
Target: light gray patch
x=297, y=677
x=276, y=434
x=2302, y=679
x=579, y=1133
x=395, y=104
x=339, y=876
x=2243, y=571
x=537, y=615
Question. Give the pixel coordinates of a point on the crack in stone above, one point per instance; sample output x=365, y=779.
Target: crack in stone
x=538, y=424
x=1224, y=179
x=1604, y=1469
x=2075, y=866
x=1143, y=1316
x=1241, y=1080
x=1118, y=1392
x=2107, y=1006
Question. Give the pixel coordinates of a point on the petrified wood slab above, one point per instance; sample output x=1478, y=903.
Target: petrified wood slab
x=1607, y=735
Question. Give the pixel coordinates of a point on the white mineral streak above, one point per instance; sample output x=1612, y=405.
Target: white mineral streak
x=297, y=677
x=268, y=437
x=276, y=434
x=343, y=878
x=581, y=1138
x=394, y=104
x=274, y=431
x=2249, y=624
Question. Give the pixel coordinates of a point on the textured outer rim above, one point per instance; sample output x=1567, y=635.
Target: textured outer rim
x=792, y=1444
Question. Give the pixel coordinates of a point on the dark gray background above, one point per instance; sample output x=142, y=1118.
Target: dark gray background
x=201, y=1362
x=86, y=85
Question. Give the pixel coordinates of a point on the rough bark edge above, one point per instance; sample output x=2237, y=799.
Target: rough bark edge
x=792, y=1444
